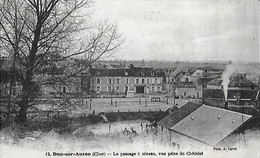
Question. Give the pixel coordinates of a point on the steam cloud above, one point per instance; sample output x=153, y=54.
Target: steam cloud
x=253, y=69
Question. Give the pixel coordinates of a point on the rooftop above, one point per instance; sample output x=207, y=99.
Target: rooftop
x=210, y=124
x=184, y=85
x=179, y=114
x=131, y=72
x=219, y=93
x=240, y=80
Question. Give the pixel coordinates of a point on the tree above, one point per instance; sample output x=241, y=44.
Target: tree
x=36, y=34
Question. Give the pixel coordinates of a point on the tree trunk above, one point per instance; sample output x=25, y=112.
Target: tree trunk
x=26, y=98
x=22, y=116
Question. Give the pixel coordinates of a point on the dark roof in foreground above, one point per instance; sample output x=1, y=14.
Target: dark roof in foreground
x=210, y=124
x=179, y=114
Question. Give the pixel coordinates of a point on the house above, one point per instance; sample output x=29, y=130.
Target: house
x=141, y=81
x=164, y=125
x=240, y=82
x=186, y=90
x=197, y=126
x=181, y=74
x=215, y=97
x=199, y=74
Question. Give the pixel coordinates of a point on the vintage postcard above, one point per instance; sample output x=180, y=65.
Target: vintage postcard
x=129, y=78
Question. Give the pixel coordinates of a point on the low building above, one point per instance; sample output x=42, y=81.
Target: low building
x=164, y=126
x=197, y=126
x=186, y=90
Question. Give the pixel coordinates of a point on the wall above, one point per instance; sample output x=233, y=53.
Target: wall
x=214, y=87
x=185, y=141
x=174, y=139
x=163, y=137
x=190, y=92
x=150, y=84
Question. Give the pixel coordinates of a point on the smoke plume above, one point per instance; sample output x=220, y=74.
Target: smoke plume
x=229, y=70
x=251, y=69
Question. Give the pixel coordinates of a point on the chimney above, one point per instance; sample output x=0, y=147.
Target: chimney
x=238, y=98
x=131, y=66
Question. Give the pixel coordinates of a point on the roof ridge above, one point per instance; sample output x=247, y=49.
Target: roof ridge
x=225, y=110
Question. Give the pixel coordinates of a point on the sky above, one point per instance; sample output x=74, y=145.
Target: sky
x=184, y=30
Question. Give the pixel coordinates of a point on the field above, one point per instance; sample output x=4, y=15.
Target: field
x=98, y=105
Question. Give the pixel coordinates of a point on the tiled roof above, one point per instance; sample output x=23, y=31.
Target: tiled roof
x=131, y=72
x=210, y=124
x=244, y=94
x=213, y=93
x=240, y=81
x=219, y=93
x=181, y=69
x=183, y=85
x=179, y=114
x=215, y=81
x=202, y=81
x=199, y=73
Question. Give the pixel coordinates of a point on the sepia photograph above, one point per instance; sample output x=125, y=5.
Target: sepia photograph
x=129, y=78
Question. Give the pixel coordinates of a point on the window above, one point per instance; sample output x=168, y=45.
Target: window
x=184, y=93
x=109, y=88
x=186, y=79
x=198, y=95
x=161, y=128
x=153, y=80
x=126, y=88
x=142, y=81
x=118, y=80
x=127, y=81
x=158, y=89
x=156, y=81
x=117, y=88
x=98, y=88
x=137, y=81
x=98, y=80
x=147, y=81
x=152, y=89
x=109, y=80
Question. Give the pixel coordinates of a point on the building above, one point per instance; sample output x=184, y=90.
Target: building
x=215, y=83
x=240, y=92
x=141, y=81
x=240, y=82
x=181, y=74
x=186, y=90
x=197, y=126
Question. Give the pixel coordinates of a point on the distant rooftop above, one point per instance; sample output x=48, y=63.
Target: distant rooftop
x=131, y=72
